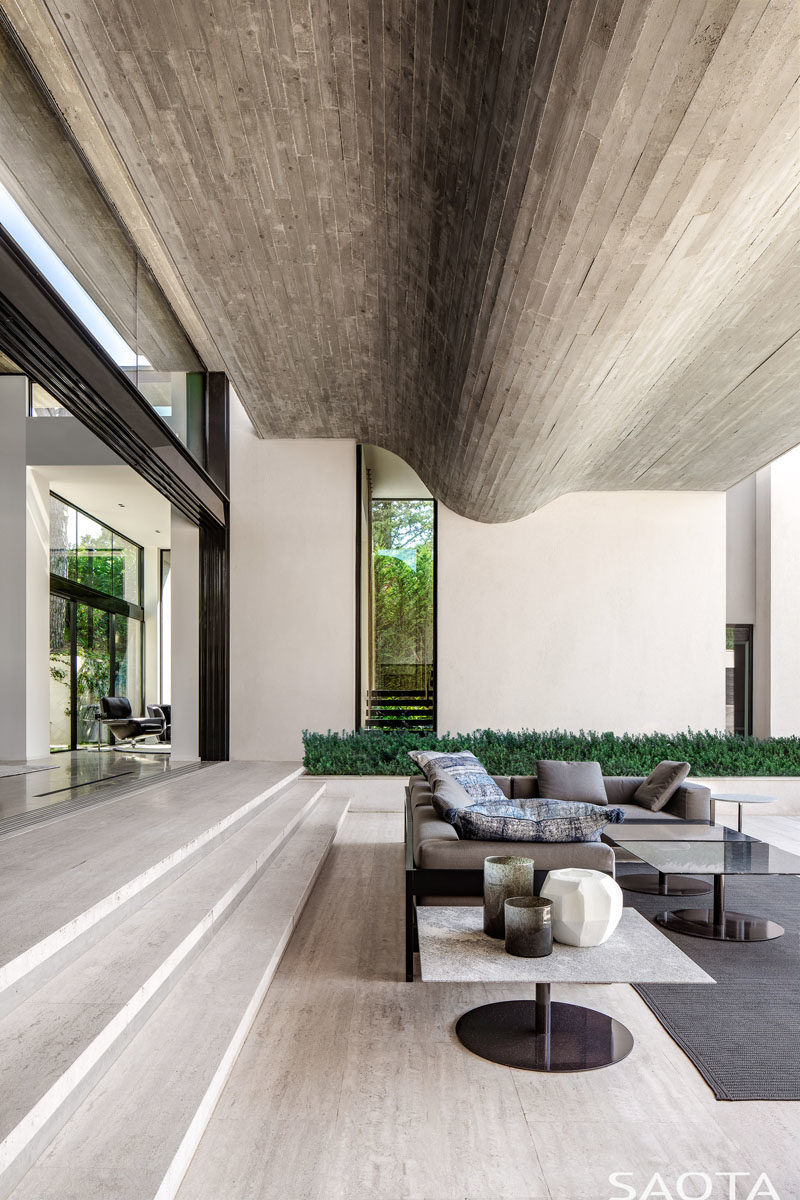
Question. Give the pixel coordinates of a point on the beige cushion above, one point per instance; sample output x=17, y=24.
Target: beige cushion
x=547, y=856
x=581, y=781
x=660, y=785
x=620, y=788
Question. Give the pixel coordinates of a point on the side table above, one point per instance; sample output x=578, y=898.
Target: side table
x=737, y=798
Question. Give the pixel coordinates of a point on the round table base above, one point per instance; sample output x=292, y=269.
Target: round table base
x=676, y=885
x=580, y=1039
x=734, y=926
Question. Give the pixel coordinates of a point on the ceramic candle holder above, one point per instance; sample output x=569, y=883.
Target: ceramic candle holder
x=504, y=875
x=529, y=926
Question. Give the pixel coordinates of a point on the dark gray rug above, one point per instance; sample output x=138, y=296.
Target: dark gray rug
x=744, y=1034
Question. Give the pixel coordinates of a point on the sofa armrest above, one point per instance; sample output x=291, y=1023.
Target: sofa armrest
x=692, y=802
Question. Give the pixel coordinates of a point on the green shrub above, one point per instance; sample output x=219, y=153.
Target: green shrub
x=385, y=751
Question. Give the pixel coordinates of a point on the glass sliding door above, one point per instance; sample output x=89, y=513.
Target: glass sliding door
x=96, y=620
x=128, y=660
x=61, y=673
x=93, y=668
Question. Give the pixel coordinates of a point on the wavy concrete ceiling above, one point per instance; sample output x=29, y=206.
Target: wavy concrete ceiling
x=531, y=247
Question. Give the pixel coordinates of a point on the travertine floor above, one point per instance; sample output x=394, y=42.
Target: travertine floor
x=352, y=1083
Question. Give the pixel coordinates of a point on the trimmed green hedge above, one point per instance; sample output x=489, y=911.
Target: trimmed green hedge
x=385, y=751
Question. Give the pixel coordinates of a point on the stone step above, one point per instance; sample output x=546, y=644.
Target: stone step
x=55, y=1046
x=63, y=886
x=134, y=1135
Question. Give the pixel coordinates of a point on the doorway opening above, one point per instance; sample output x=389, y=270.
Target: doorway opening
x=739, y=680
x=397, y=592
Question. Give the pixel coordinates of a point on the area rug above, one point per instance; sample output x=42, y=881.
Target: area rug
x=7, y=769
x=742, y=1034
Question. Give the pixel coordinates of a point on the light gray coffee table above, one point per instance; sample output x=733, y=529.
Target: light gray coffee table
x=540, y=1034
x=739, y=798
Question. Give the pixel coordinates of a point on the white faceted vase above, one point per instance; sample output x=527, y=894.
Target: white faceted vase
x=587, y=905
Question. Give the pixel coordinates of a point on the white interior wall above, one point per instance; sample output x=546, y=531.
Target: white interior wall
x=292, y=590
x=184, y=637
x=13, y=540
x=601, y=611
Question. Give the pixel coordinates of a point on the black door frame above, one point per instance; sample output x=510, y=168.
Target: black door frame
x=48, y=343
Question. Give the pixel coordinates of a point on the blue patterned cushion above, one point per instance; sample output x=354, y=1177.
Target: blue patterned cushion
x=536, y=821
x=464, y=768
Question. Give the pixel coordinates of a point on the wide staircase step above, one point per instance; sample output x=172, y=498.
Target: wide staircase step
x=65, y=885
x=135, y=1133
x=55, y=1046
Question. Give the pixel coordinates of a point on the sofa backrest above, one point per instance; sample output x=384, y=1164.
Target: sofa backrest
x=619, y=788
x=691, y=800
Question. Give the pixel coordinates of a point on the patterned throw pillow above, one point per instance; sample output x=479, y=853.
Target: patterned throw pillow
x=536, y=821
x=464, y=767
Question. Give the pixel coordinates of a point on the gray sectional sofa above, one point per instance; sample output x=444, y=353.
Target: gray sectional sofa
x=442, y=868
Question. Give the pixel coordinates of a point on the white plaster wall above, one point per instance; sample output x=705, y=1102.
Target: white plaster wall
x=37, y=615
x=293, y=533
x=13, y=545
x=601, y=611
x=785, y=595
x=184, y=636
x=740, y=507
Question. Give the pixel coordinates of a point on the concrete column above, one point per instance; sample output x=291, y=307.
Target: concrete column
x=785, y=595
x=762, y=631
x=37, y=616
x=13, y=544
x=152, y=683
x=185, y=639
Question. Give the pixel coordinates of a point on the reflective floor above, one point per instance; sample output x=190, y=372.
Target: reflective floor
x=76, y=774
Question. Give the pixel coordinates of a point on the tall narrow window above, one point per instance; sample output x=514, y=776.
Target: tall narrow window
x=96, y=622
x=739, y=679
x=402, y=686
x=396, y=594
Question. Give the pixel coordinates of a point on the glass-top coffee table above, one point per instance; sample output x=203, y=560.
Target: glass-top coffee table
x=663, y=883
x=739, y=855
x=540, y=1034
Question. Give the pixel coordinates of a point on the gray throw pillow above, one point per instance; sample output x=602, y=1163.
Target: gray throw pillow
x=448, y=796
x=536, y=821
x=464, y=767
x=660, y=785
x=580, y=781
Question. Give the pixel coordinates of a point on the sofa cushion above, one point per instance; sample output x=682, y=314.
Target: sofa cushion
x=430, y=828
x=634, y=812
x=579, y=781
x=620, y=788
x=661, y=784
x=464, y=767
x=536, y=821
x=445, y=853
x=448, y=797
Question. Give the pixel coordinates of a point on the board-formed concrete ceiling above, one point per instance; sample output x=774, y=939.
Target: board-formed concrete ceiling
x=532, y=247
